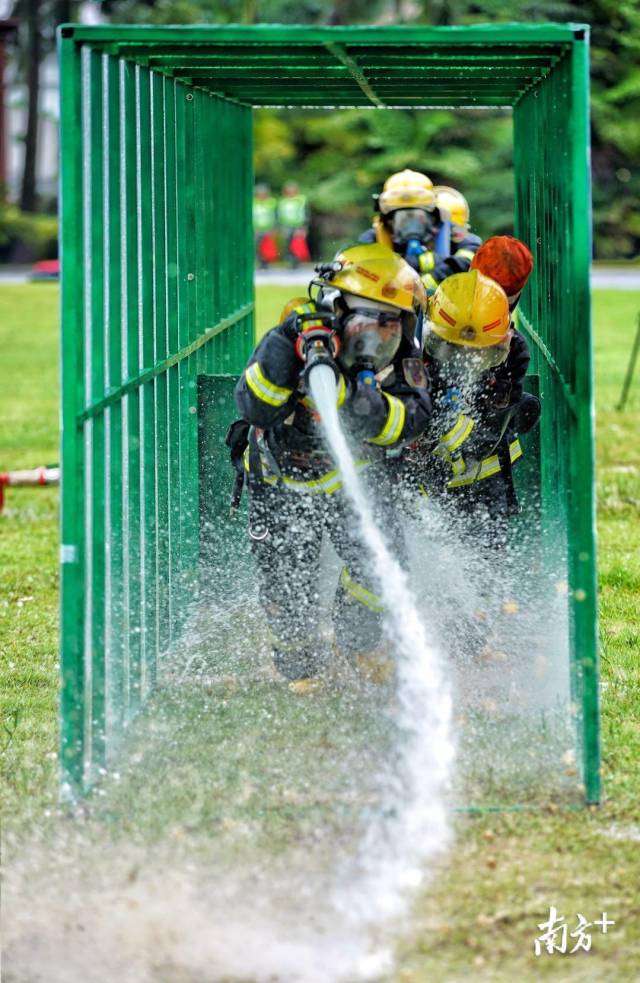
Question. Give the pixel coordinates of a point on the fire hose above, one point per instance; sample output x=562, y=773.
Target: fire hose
x=45, y=475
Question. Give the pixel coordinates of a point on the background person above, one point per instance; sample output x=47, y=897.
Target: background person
x=264, y=225
x=293, y=219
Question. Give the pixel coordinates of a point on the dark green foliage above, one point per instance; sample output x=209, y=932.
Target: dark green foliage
x=340, y=158
x=467, y=148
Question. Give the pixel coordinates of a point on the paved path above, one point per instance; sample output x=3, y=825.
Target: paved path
x=614, y=278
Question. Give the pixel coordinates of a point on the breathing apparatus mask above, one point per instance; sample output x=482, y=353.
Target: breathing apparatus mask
x=371, y=334
x=368, y=332
x=411, y=227
x=464, y=360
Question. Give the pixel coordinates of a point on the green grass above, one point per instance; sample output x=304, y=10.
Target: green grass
x=28, y=547
x=480, y=915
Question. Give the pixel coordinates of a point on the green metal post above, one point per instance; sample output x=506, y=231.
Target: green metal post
x=72, y=709
x=583, y=579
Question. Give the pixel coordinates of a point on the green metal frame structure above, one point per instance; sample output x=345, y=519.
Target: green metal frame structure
x=157, y=260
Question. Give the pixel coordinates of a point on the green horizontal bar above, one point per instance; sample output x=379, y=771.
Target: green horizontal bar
x=148, y=374
x=396, y=103
x=248, y=57
x=295, y=87
x=569, y=395
x=339, y=72
x=533, y=807
x=261, y=34
x=272, y=82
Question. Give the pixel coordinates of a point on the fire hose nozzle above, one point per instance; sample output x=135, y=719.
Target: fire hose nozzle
x=319, y=353
x=318, y=345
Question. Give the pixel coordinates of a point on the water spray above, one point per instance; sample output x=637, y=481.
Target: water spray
x=414, y=824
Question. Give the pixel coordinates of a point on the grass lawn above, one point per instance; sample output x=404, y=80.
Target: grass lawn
x=480, y=916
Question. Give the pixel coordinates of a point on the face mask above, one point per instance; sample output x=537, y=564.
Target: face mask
x=411, y=223
x=370, y=338
x=463, y=360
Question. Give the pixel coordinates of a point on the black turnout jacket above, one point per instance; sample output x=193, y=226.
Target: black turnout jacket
x=286, y=440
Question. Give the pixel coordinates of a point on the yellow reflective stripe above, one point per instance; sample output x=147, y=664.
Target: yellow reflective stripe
x=467, y=478
x=458, y=465
x=263, y=388
x=487, y=468
x=430, y=281
x=394, y=425
x=465, y=254
x=327, y=484
x=515, y=450
x=451, y=440
x=426, y=261
x=359, y=593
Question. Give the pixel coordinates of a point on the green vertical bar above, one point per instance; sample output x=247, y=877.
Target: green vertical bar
x=160, y=277
x=71, y=572
x=92, y=191
x=173, y=375
x=130, y=402
x=187, y=231
x=146, y=345
x=203, y=189
x=114, y=641
x=582, y=501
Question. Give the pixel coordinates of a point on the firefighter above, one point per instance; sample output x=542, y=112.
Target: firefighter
x=410, y=218
x=477, y=361
x=362, y=321
x=464, y=244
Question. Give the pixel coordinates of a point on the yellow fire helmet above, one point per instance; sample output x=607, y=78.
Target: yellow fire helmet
x=301, y=305
x=470, y=310
x=453, y=203
x=374, y=272
x=406, y=189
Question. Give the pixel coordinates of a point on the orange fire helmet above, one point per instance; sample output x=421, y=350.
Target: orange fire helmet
x=507, y=261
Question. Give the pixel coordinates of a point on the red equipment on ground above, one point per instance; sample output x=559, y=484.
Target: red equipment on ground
x=46, y=475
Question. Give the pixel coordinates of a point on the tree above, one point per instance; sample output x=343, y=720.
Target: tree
x=36, y=39
x=28, y=196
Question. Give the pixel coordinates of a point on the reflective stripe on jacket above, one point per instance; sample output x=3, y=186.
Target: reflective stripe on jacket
x=478, y=470
x=326, y=484
x=466, y=471
x=271, y=399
